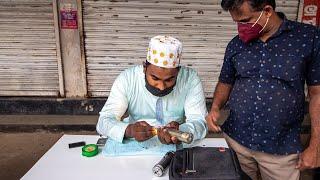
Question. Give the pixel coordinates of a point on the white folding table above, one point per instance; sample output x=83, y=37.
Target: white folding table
x=62, y=163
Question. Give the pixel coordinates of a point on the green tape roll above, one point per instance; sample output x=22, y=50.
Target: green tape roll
x=90, y=150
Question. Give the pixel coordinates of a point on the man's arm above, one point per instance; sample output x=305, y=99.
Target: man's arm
x=220, y=97
x=223, y=88
x=314, y=111
x=309, y=157
x=109, y=123
x=195, y=110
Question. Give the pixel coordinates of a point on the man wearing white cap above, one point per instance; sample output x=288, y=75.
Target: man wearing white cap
x=159, y=94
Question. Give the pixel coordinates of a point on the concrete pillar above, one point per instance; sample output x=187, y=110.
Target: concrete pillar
x=72, y=50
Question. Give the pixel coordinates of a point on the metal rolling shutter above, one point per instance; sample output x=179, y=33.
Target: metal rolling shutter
x=117, y=34
x=28, y=56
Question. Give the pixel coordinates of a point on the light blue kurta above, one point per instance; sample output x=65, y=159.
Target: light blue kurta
x=185, y=104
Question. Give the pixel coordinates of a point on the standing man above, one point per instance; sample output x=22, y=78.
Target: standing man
x=263, y=76
x=160, y=93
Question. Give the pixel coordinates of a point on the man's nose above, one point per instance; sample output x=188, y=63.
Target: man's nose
x=161, y=86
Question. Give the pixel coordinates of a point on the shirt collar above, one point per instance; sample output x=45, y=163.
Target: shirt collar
x=285, y=25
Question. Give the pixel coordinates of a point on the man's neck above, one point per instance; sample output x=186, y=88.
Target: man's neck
x=275, y=22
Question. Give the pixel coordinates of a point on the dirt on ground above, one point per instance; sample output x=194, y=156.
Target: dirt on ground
x=20, y=151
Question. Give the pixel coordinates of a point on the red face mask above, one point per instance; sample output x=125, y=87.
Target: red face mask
x=250, y=31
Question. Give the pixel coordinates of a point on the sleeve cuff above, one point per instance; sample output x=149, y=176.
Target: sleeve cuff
x=226, y=81
x=117, y=133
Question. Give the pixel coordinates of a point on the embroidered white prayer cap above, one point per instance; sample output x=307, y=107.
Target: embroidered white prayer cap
x=164, y=51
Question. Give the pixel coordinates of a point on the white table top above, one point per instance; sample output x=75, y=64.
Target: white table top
x=60, y=162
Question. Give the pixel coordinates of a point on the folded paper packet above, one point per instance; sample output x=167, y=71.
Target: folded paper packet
x=131, y=147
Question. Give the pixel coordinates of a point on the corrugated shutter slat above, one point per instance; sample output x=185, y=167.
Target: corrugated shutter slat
x=117, y=35
x=28, y=54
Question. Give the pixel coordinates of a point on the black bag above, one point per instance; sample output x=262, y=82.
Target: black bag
x=206, y=163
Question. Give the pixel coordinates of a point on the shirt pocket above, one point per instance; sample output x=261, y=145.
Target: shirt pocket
x=245, y=70
x=287, y=70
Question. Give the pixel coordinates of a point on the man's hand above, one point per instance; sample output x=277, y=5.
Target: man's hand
x=308, y=159
x=212, y=120
x=220, y=97
x=165, y=137
x=140, y=131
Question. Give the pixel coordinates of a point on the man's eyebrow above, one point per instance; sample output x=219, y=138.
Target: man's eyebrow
x=169, y=78
x=156, y=77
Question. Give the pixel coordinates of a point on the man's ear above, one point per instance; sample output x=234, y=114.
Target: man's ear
x=268, y=10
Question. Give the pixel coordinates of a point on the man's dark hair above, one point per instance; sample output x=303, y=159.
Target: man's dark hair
x=257, y=5
x=147, y=63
